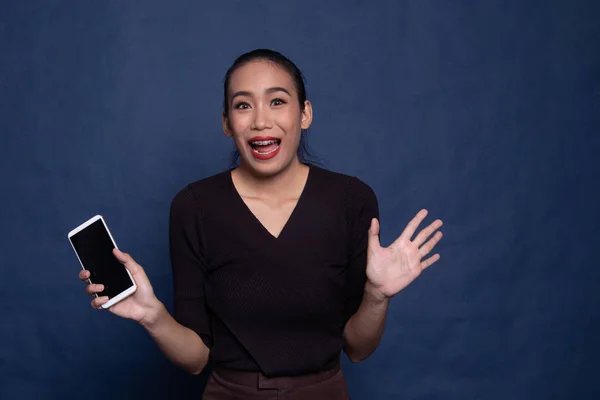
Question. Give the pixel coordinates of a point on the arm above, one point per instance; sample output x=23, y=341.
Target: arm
x=184, y=337
x=389, y=270
x=377, y=273
x=364, y=329
x=181, y=345
x=365, y=311
x=189, y=278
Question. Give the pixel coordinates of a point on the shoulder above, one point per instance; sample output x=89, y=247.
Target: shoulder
x=353, y=194
x=195, y=193
x=351, y=186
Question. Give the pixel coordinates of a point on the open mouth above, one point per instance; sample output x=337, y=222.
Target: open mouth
x=264, y=147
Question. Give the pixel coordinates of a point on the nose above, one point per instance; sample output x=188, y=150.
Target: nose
x=261, y=119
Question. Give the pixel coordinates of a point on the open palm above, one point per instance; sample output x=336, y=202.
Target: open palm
x=391, y=269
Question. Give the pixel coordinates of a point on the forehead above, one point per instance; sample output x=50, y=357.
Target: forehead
x=259, y=75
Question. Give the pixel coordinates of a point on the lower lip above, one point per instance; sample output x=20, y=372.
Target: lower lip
x=260, y=156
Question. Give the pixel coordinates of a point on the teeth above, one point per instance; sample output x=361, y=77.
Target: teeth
x=263, y=142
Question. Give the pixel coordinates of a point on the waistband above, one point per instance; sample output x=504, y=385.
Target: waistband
x=261, y=381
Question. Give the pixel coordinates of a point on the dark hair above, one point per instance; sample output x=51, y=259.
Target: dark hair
x=304, y=154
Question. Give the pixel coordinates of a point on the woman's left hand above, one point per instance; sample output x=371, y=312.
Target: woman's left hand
x=391, y=269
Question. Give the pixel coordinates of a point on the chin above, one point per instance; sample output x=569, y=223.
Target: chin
x=269, y=167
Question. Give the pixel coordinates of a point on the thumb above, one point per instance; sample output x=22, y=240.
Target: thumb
x=374, y=234
x=129, y=262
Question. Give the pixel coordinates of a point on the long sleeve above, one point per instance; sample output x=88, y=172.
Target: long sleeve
x=362, y=207
x=189, y=268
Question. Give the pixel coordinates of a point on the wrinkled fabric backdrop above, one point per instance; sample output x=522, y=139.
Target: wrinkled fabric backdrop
x=486, y=113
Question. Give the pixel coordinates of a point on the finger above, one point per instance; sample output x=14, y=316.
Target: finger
x=136, y=270
x=84, y=275
x=425, y=233
x=427, y=247
x=412, y=226
x=374, y=235
x=97, y=302
x=123, y=257
x=91, y=290
x=128, y=261
x=430, y=261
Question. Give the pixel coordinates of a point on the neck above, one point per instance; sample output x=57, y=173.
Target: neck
x=281, y=184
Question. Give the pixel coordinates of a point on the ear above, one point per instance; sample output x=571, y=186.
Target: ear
x=226, y=127
x=307, y=115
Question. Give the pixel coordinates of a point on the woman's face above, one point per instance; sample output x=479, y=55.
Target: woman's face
x=265, y=118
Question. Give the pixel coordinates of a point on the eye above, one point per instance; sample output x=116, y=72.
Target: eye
x=241, y=106
x=277, y=102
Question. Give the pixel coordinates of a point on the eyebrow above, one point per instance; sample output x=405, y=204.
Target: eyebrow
x=268, y=91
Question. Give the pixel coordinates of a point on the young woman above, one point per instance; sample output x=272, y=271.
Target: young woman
x=277, y=265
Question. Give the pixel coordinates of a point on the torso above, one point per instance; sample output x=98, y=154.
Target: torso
x=277, y=279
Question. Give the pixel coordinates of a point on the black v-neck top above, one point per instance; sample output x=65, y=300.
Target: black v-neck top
x=265, y=303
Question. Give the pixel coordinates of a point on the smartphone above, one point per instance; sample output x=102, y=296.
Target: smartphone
x=93, y=245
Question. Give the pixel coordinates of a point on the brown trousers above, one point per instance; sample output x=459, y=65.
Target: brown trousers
x=233, y=385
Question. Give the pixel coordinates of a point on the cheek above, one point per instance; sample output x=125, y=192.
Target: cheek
x=291, y=120
x=239, y=123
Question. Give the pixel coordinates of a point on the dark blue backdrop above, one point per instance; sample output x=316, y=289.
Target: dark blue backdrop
x=486, y=113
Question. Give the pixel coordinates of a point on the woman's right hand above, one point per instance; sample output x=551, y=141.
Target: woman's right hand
x=142, y=306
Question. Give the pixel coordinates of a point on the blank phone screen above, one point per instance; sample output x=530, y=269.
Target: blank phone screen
x=94, y=248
